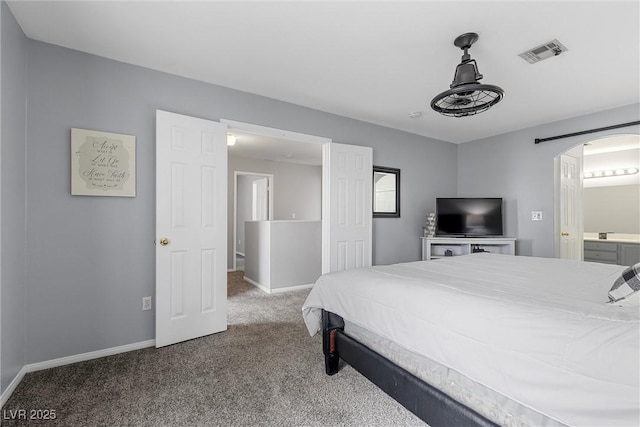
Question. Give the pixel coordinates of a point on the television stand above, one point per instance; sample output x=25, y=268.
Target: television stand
x=440, y=247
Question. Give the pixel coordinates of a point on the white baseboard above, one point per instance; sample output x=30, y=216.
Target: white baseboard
x=257, y=285
x=291, y=288
x=12, y=386
x=88, y=356
x=32, y=367
x=276, y=290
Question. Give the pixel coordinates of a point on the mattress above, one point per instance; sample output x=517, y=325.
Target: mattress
x=534, y=331
x=493, y=406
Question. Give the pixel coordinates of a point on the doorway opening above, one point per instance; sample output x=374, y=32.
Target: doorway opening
x=605, y=197
x=286, y=160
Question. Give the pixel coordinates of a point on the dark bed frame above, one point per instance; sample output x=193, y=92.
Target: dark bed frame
x=427, y=402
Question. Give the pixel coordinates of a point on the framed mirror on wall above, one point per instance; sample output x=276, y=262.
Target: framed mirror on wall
x=386, y=192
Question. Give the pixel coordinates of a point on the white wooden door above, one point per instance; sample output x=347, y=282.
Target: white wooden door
x=570, y=211
x=347, y=175
x=259, y=200
x=191, y=214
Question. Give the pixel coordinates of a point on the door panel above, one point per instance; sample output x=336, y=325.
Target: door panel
x=347, y=210
x=570, y=243
x=260, y=200
x=191, y=188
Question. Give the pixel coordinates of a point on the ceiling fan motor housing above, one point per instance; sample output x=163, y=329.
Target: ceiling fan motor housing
x=466, y=72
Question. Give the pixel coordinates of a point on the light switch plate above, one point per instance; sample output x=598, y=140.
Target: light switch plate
x=536, y=216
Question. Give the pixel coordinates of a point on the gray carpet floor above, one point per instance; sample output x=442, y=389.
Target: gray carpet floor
x=265, y=370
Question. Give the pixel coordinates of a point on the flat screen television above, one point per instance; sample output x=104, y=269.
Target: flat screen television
x=469, y=217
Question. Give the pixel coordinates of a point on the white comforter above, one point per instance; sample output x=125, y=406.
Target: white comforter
x=536, y=330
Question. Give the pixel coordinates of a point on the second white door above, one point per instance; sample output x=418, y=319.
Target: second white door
x=347, y=209
x=260, y=200
x=570, y=198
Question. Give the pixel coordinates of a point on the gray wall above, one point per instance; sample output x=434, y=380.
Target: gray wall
x=286, y=253
x=257, y=266
x=511, y=166
x=91, y=259
x=12, y=196
x=296, y=189
x=296, y=253
x=612, y=209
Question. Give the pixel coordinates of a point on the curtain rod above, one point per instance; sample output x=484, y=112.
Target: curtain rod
x=539, y=140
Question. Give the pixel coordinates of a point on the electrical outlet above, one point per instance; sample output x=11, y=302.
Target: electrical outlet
x=146, y=303
x=536, y=216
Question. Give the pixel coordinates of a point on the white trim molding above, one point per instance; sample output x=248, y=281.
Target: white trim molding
x=273, y=132
x=291, y=288
x=267, y=290
x=12, y=386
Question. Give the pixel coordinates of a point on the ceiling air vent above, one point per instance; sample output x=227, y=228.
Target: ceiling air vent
x=544, y=51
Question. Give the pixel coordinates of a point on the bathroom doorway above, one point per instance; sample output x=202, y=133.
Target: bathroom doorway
x=607, y=193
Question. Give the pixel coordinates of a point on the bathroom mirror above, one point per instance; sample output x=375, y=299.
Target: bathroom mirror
x=386, y=192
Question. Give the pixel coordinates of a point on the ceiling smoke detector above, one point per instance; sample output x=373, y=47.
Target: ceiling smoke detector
x=466, y=95
x=544, y=51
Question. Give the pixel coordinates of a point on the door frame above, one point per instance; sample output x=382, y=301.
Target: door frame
x=236, y=174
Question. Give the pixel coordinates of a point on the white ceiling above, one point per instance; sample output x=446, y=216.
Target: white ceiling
x=612, y=144
x=372, y=61
x=273, y=149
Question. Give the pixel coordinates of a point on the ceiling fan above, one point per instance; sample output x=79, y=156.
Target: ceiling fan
x=466, y=96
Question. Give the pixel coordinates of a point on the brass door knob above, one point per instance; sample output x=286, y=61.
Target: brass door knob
x=564, y=234
x=164, y=241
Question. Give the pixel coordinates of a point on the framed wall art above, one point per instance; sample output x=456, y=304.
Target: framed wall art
x=102, y=164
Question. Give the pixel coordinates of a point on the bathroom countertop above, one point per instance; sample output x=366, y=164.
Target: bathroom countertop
x=613, y=238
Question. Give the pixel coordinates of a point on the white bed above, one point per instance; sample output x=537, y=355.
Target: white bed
x=534, y=337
